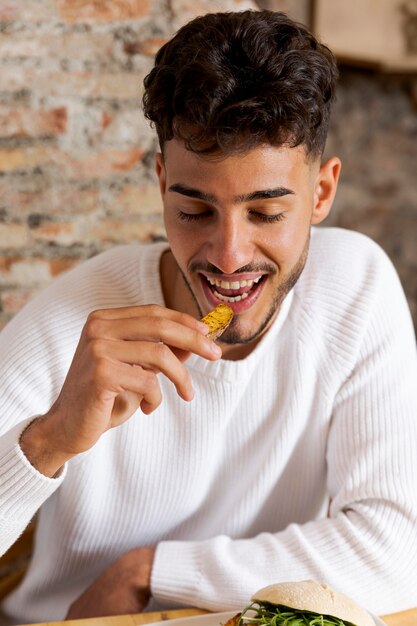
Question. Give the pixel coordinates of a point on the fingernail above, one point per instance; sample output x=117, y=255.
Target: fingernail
x=190, y=393
x=216, y=349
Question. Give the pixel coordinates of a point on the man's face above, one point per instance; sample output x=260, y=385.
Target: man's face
x=238, y=227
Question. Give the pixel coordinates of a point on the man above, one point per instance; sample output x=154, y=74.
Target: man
x=171, y=470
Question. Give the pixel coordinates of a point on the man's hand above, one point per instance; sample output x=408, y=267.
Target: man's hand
x=113, y=373
x=124, y=587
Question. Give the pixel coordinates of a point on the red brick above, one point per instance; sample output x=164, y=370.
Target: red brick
x=106, y=119
x=68, y=45
x=119, y=86
x=13, y=236
x=103, y=10
x=13, y=300
x=25, y=271
x=137, y=200
x=123, y=231
x=27, y=10
x=4, y=319
x=25, y=158
x=94, y=165
x=14, y=79
x=6, y=262
x=185, y=10
x=148, y=47
x=122, y=129
x=106, y=163
x=8, y=11
x=57, y=199
x=24, y=122
x=60, y=233
x=111, y=230
x=57, y=266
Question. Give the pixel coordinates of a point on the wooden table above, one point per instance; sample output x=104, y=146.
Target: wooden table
x=405, y=618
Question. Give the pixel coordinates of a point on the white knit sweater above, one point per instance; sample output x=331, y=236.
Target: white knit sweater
x=296, y=462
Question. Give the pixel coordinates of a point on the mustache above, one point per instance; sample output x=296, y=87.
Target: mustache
x=199, y=266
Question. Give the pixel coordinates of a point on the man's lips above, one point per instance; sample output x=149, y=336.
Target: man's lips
x=240, y=292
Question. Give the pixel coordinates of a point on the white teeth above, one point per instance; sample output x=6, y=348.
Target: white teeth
x=235, y=284
x=229, y=298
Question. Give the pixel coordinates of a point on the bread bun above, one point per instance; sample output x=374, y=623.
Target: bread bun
x=309, y=595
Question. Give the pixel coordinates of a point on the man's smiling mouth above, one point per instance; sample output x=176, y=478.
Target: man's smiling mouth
x=232, y=291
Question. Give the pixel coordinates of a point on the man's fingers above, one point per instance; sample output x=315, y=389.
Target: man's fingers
x=153, y=329
x=148, y=310
x=182, y=355
x=143, y=383
x=149, y=358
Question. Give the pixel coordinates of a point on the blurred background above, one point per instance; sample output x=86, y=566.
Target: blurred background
x=76, y=155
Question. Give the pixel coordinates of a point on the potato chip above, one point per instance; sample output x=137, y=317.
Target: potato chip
x=218, y=320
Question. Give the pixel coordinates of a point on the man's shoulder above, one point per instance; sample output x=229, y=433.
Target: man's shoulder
x=348, y=303
x=119, y=258
x=347, y=278
x=345, y=258
x=113, y=278
x=341, y=246
x=117, y=268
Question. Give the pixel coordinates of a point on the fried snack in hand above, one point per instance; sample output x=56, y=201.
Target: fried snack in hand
x=218, y=320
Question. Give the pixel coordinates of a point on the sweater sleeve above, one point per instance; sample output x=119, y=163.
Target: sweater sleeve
x=22, y=488
x=30, y=376
x=367, y=545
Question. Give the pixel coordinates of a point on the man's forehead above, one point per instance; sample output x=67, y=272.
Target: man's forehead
x=263, y=167
x=175, y=145
x=177, y=156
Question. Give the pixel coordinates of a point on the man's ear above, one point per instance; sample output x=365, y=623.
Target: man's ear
x=325, y=189
x=160, y=172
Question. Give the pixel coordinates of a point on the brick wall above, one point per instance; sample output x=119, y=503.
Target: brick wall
x=76, y=155
x=374, y=131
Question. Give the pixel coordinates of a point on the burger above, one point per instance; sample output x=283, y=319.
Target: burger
x=303, y=603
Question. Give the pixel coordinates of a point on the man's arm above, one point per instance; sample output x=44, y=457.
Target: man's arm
x=124, y=587
x=113, y=373
x=367, y=546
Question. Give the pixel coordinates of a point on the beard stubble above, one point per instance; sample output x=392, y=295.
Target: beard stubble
x=233, y=335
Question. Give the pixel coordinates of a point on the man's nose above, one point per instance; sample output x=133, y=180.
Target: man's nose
x=230, y=246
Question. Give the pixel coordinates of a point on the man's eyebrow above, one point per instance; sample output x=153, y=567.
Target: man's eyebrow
x=193, y=193
x=262, y=194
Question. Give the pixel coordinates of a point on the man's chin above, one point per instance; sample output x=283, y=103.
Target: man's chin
x=237, y=335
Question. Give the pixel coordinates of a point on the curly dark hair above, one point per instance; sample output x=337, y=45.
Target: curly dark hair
x=228, y=82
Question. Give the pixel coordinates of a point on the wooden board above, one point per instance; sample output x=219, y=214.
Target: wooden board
x=405, y=618
x=366, y=32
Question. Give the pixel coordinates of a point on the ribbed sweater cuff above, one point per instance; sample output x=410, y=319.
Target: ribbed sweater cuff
x=176, y=573
x=22, y=488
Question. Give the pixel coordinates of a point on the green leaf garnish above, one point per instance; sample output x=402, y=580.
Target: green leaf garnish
x=278, y=615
